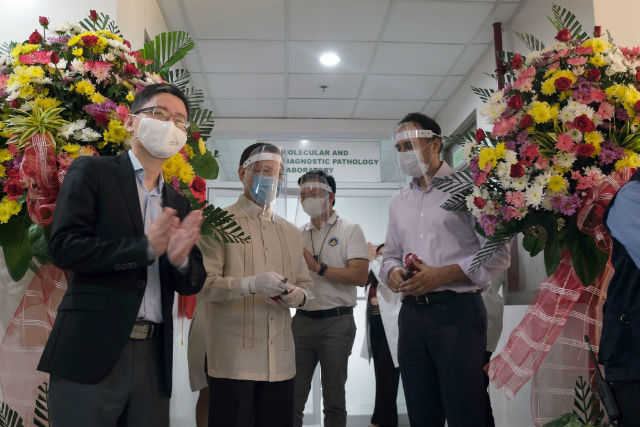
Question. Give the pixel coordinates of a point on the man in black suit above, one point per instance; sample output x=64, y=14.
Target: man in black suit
x=128, y=240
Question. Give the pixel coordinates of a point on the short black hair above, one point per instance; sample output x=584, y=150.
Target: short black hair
x=425, y=122
x=318, y=174
x=269, y=148
x=379, y=247
x=150, y=91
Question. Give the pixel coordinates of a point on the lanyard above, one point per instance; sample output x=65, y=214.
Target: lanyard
x=317, y=257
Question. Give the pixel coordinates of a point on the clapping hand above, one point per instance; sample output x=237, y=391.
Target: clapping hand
x=183, y=236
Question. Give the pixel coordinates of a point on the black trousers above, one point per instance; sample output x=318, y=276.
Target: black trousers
x=627, y=396
x=490, y=421
x=242, y=403
x=441, y=352
x=385, y=412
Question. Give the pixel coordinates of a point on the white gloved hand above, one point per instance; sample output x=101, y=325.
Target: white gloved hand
x=268, y=284
x=294, y=298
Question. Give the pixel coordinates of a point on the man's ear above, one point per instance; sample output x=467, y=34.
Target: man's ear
x=332, y=198
x=241, y=173
x=128, y=123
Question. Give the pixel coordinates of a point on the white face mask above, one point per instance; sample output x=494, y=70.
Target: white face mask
x=161, y=139
x=314, y=206
x=411, y=166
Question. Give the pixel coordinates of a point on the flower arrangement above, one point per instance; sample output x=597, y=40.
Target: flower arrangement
x=65, y=93
x=566, y=122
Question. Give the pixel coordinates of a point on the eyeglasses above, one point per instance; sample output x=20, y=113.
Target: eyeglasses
x=161, y=113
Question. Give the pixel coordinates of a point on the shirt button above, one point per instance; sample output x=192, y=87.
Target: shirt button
x=421, y=214
x=421, y=236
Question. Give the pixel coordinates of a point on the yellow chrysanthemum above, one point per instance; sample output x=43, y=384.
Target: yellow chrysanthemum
x=548, y=87
x=71, y=148
x=35, y=72
x=97, y=98
x=556, y=183
x=487, y=156
x=85, y=87
x=597, y=44
x=4, y=155
x=597, y=60
x=3, y=171
x=46, y=102
x=8, y=208
x=115, y=133
x=176, y=166
x=22, y=49
x=500, y=151
x=130, y=96
x=616, y=91
x=540, y=111
x=630, y=160
x=202, y=146
x=594, y=138
x=27, y=92
x=77, y=52
x=189, y=151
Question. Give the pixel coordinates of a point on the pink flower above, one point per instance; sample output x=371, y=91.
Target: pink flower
x=100, y=69
x=529, y=72
x=598, y=95
x=523, y=84
x=504, y=126
x=3, y=81
x=516, y=198
x=564, y=53
x=605, y=111
x=509, y=213
x=578, y=60
x=583, y=50
x=565, y=143
x=542, y=163
x=122, y=112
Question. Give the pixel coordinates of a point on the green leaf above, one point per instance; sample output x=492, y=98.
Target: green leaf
x=205, y=166
x=222, y=226
x=563, y=420
x=7, y=47
x=588, y=261
x=456, y=182
x=203, y=119
x=9, y=417
x=552, y=253
x=563, y=18
x=531, y=42
x=15, y=244
x=457, y=202
x=166, y=50
x=533, y=244
x=459, y=138
x=491, y=246
x=39, y=243
x=41, y=412
x=179, y=77
x=482, y=93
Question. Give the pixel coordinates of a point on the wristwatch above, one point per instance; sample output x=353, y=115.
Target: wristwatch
x=323, y=268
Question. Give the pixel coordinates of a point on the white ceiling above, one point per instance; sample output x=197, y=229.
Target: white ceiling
x=259, y=58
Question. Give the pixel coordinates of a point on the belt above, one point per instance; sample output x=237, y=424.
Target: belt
x=143, y=331
x=322, y=314
x=433, y=297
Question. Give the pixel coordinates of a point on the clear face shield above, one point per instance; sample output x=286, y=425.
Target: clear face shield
x=314, y=201
x=411, y=154
x=265, y=180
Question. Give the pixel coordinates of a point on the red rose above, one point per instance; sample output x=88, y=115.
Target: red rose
x=93, y=15
x=562, y=83
x=35, y=38
x=515, y=102
x=14, y=103
x=584, y=124
x=44, y=21
x=516, y=61
x=526, y=121
x=597, y=31
x=594, y=74
x=517, y=170
x=480, y=135
x=127, y=43
x=196, y=136
x=89, y=41
x=131, y=70
x=585, y=150
x=199, y=184
x=55, y=58
x=563, y=35
x=14, y=189
x=637, y=106
x=479, y=202
x=101, y=119
x=638, y=76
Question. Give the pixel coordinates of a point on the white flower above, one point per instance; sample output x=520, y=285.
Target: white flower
x=468, y=150
x=62, y=27
x=130, y=58
x=3, y=59
x=520, y=183
x=87, y=134
x=109, y=57
x=533, y=57
x=575, y=134
x=534, y=195
x=77, y=28
x=472, y=207
x=564, y=160
x=67, y=130
x=511, y=157
x=78, y=66
x=43, y=81
x=543, y=179
x=61, y=65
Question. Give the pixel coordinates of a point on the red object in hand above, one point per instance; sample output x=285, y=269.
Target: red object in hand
x=277, y=297
x=411, y=262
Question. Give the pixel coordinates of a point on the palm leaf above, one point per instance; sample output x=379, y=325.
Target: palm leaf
x=458, y=201
x=509, y=77
x=166, y=50
x=41, y=411
x=455, y=183
x=531, y=41
x=203, y=118
x=179, y=78
x=104, y=22
x=7, y=47
x=9, y=417
x=564, y=19
x=460, y=138
x=482, y=93
x=222, y=226
x=491, y=246
x=195, y=97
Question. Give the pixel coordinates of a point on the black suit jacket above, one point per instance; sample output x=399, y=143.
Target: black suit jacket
x=98, y=236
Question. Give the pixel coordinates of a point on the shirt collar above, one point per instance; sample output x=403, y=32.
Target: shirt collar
x=332, y=220
x=442, y=172
x=252, y=209
x=141, y=173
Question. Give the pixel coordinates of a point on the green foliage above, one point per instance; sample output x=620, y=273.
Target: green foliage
x=179, y=77
x=15, y=244
x=25, y=124
x=203, y=119
x=9, y=417
x=166, y=50
x=222, y=226
x=493, y=244
x=205, y=166
x=588, y=261
x=41, y=412
x=564, y=19
x=454, y=183
x=104, y=22
x=531, y=41
x=459, y=138
x=482, y=93
x=586, y=413
x=7, y=47
x=39, y=241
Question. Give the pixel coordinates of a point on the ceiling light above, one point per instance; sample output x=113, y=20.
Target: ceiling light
x=329, y=59
x=304, y=141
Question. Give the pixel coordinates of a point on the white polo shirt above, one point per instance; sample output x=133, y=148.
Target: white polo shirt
x=337, y=242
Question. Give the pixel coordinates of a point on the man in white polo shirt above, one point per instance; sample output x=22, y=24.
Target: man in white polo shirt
x=324, y=330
